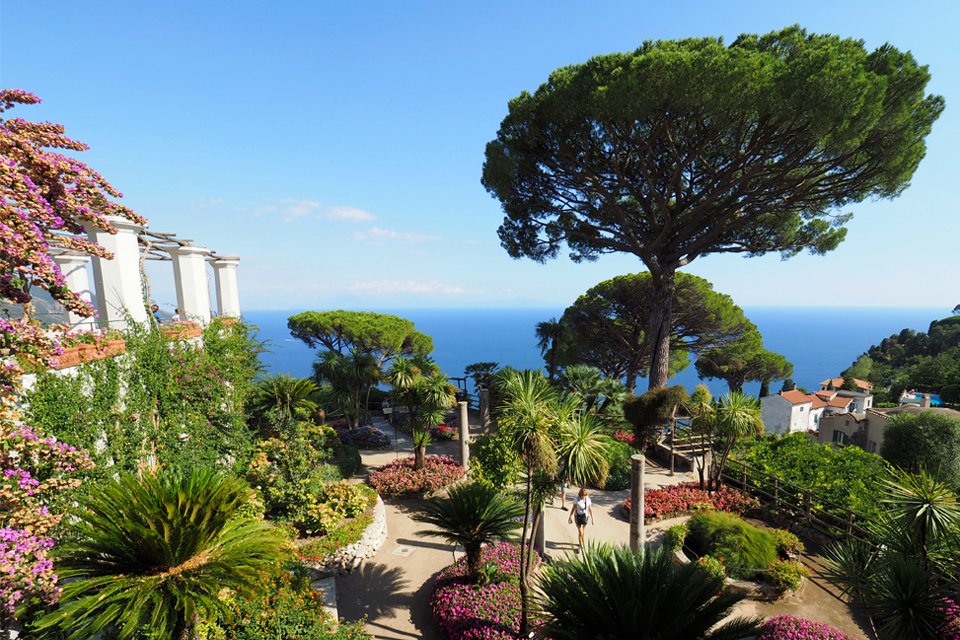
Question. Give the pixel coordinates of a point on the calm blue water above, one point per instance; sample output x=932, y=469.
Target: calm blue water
x=820, y=342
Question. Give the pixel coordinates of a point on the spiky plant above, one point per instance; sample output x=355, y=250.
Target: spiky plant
x=471, y=515
x=611, y=592
x=153, y=553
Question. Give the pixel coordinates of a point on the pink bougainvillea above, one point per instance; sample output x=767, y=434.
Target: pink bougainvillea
x=47, y=202
x=681, y=498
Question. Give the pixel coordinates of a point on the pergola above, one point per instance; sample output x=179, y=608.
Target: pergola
x=119, y=286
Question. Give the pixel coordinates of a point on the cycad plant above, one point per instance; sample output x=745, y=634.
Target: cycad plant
x=903, y=577
x=471, y=515
x=152, y=554
x=611, y=592
x=282, y=399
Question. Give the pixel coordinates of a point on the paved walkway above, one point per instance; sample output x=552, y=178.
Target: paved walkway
x=392, y=589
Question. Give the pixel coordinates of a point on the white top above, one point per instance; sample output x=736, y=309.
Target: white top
x=581, y=506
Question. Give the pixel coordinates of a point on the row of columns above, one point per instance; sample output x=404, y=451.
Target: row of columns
x=119, y=285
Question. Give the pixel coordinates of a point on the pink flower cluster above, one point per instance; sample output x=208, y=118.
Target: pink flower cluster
x=681, y=498
x=950, y=629
x=467, y=611
x=793, y=628
x=34, y=472
x=25, y=569
x=624, y=436
x=47, y=200
x=401, y=478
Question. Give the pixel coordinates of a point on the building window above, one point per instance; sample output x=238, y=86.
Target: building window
x=839, y=437
x=802, y=408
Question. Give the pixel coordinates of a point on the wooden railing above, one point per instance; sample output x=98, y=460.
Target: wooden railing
x=814, y=510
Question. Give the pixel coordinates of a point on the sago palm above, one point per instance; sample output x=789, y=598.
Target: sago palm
x=153, y=553
x=611, y=593
x=472, y=515
x=285, y=396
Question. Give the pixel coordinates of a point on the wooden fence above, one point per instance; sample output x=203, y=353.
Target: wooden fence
x=815, y=511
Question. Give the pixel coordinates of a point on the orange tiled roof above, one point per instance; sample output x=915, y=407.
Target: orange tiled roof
x=797, y=397
x=838, y=382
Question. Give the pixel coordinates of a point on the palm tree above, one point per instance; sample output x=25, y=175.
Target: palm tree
x=472, y=515
x=612, y=592
x=284, y=397
x=582, y=451
x=736, y=417
x=427, y=395
x=350, y=377
x=153, y=553
x=527, y=416
x=550, y=334
x=901, y=580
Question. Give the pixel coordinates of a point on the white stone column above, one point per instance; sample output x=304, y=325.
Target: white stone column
x=190, y=272
x=74, y=269
x=118, y=282
x=225, y=279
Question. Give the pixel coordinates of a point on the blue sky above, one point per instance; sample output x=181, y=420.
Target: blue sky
x=337, y=147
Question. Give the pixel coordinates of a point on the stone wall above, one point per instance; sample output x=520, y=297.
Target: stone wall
x=349, y=557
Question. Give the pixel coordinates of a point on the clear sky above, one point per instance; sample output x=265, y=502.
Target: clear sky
x=337, y=146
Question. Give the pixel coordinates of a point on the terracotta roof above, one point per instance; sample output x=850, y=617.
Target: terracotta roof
x=818, y=402
x=838, y=382
x=826, y=395
x=797, y=397
x=839, y=402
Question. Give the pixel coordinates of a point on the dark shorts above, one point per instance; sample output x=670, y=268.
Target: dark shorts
x=581, y=519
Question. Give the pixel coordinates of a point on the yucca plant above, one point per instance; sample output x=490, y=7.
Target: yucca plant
x=152, y=554
x=611, y=592
x=471, y=515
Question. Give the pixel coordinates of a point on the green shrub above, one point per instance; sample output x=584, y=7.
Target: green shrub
x=674, y=537
x=713, y=567
x=286, y=607
x=745, y=549
x=788, y=544
x=493, y=462
x=787, y=574
x=619, y=476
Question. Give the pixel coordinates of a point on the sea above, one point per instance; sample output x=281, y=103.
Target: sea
x=820, y=342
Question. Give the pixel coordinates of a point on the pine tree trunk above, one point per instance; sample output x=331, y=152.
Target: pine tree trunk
x=631, y=380
x=660, y=328
x=764, y=389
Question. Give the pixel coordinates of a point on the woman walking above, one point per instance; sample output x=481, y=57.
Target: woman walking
x=582, y=508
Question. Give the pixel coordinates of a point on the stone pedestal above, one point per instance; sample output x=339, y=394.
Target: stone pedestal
x=225, y=280
x=190, y=273
x=464, y=435
x=118, y=282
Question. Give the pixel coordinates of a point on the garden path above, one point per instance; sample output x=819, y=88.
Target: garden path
x=392, y=589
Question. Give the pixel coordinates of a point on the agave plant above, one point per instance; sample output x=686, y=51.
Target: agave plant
x=153, y=553
x=611, y=592
x=471, y=515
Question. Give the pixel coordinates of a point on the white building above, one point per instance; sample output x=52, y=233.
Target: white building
x=790, y=411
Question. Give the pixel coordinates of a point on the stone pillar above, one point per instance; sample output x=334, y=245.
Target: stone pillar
x=190, y=273
x=464, y=436
x=74, y=269
x=225, y=279
x=119, y=284
x=484, y=408
x=638, y=527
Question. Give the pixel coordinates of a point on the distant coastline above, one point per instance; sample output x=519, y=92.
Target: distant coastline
x=820, y=341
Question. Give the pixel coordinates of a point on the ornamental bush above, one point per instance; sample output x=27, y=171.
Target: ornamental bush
x=400, y=478
x=618, y=478
x=286, y=607
x=782, y=627
x=364, y=437
x=467, y=611
x=680, y=499
x=786, y=574
x=745, y=550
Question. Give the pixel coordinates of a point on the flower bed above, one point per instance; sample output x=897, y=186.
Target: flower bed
x=365, y=437
x=345, y=546
x=399, y=478
x=781, y=627
x=468, y=611
x=443, y=432
x=679, y=499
